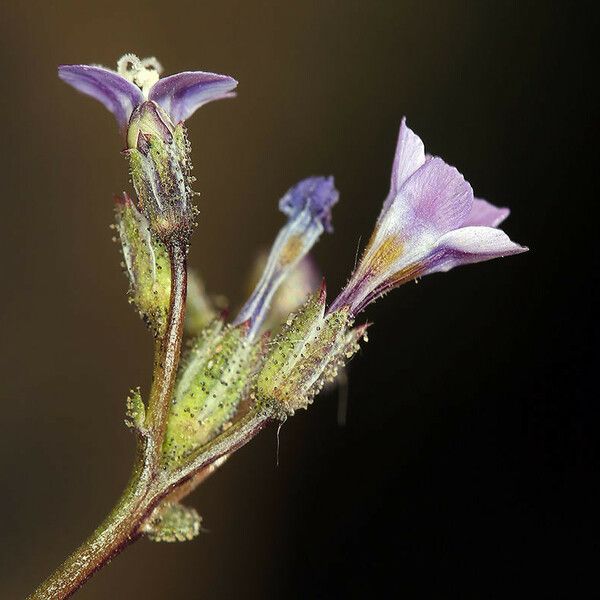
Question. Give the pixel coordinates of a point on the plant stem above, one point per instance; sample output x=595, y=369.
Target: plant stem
x=121, y=526
x=144, y=493
x=233, y=438
x=167, y=353
x=150, y=484
x=116, y=532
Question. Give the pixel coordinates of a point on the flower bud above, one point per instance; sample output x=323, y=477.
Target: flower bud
x=159, y=160
x=147, y=265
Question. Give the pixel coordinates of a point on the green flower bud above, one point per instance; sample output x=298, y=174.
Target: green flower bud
x=147, y=264
x=160, y=171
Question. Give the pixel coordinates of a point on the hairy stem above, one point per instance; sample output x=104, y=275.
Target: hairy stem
x=167, y=353
x=145, y=492
x=114, y=534
x=150, y=483
x=121, y=526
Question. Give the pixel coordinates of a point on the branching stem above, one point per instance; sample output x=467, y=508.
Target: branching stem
x=150, y=483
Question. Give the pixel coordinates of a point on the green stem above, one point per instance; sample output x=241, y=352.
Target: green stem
x=144, y=493
x=167, y=353
x=115, y=533
x=150, y=484
x=121, y=526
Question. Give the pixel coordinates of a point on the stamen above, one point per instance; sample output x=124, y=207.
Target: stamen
x=151, y=64
x=143, y=73
x=128, y=65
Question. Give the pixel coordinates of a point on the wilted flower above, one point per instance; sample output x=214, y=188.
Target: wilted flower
x=217, y=370
x=308, y=207
x=430, y=222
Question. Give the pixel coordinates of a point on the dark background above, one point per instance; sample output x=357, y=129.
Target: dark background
x=467, y=466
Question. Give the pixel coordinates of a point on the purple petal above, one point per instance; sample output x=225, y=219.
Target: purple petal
x=317, y=194
x=410, y=155
x=486, y=214
x=438, y=197
x=181, y=94
x=470, y=245
x=117, y=94
x=434, y=200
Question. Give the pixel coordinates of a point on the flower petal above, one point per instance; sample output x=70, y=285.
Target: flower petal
x=317, y=194
x=438, y=195
x=118, y=95
x=470, y=245
x=181, y=94
x=435, y=199
x=410, y=155
x=486, y=214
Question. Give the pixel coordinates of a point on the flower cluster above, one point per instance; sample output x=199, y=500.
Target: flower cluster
x=284, y=344
x=429, y=222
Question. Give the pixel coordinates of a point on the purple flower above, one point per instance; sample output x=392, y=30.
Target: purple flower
x=308, y=207
x=137, y=81
x=430, y=222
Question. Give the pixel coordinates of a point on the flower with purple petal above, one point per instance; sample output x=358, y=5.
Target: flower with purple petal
x=308, y=207
x=137, y=81
x=430, y=222
x=150, y=112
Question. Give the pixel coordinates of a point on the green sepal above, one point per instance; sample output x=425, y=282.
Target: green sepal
x=147, y=265
x=173, y=522
x=346, y=345
x=287, y=348
x=306, y=354
x=160, y=172
x=212, y=382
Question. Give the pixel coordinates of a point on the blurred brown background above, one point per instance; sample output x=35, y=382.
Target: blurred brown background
x=466, y=466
